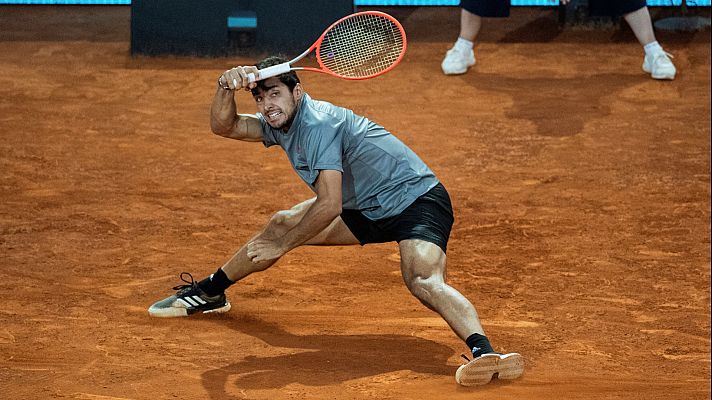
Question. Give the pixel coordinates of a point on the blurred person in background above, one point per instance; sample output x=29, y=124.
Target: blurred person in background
x=461, y=56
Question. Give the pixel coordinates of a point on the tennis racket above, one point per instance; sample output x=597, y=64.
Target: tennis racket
x=359, y=46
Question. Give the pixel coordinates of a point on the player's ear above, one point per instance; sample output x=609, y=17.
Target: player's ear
x=298, y=92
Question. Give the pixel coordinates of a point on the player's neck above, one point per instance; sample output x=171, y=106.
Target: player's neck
x=288, y=125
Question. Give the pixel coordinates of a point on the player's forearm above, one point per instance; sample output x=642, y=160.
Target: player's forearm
x=223, y=112
x=315, y=220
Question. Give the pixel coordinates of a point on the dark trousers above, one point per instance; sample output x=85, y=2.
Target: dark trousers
x=487, y=8
x=500, y=8
x=614, y=8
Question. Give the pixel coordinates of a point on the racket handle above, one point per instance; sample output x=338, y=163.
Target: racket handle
x=270, y=72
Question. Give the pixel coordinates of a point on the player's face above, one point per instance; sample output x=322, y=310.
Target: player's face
x=278, y=104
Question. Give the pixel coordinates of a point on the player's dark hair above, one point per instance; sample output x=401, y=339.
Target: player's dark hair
x=290, y=79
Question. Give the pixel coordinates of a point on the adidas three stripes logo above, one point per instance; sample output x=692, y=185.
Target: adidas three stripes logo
x=191, y=301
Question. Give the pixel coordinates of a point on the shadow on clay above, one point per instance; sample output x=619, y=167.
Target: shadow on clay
x=320, y=360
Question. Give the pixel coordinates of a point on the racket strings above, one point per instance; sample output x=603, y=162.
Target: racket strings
x=361, y=46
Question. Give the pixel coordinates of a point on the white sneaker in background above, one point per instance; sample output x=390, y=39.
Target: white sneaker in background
x=659, y=66
x=457, y=61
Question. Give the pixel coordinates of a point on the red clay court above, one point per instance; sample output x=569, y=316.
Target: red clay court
x=581, y=189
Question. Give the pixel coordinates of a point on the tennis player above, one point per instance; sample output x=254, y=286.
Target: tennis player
x=370, y=188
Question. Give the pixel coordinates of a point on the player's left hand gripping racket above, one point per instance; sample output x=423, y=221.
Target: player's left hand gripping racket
x=359, y=46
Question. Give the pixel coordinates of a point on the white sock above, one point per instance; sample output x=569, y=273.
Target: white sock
x=463, y=44
x=652, y=48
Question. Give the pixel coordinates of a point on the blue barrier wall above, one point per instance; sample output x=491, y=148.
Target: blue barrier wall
x=652, y=3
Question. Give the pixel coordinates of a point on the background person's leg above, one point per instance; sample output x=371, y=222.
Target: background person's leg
x=641, y=24
x=657, y=62
x=470, y=25
x=635, y=12
x=462, y=56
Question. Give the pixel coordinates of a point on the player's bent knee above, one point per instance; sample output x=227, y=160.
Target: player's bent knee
x=425, y=289
x=280, y=222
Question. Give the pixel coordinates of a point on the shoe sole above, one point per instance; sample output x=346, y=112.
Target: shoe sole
x=668, y=77
x=175, y=312
x=481, y=370
x=458, y=72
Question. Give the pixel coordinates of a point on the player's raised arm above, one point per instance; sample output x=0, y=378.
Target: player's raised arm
x=224, y=119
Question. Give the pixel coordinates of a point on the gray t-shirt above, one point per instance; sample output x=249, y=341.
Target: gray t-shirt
x=381, y=175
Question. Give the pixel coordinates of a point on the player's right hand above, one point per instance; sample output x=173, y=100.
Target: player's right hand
x=236, y=78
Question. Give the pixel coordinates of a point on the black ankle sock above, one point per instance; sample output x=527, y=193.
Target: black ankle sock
x=479, y=345
x=215, y=283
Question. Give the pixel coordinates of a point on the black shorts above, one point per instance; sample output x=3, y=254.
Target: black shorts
x=429, y=218
x=614, y=8
x=487, y=8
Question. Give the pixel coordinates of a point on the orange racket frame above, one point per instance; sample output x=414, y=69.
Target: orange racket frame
x=323, y=68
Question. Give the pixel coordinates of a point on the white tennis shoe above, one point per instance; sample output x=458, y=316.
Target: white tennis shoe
x=482, y=369
x=457, y=61
x=659, y=66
